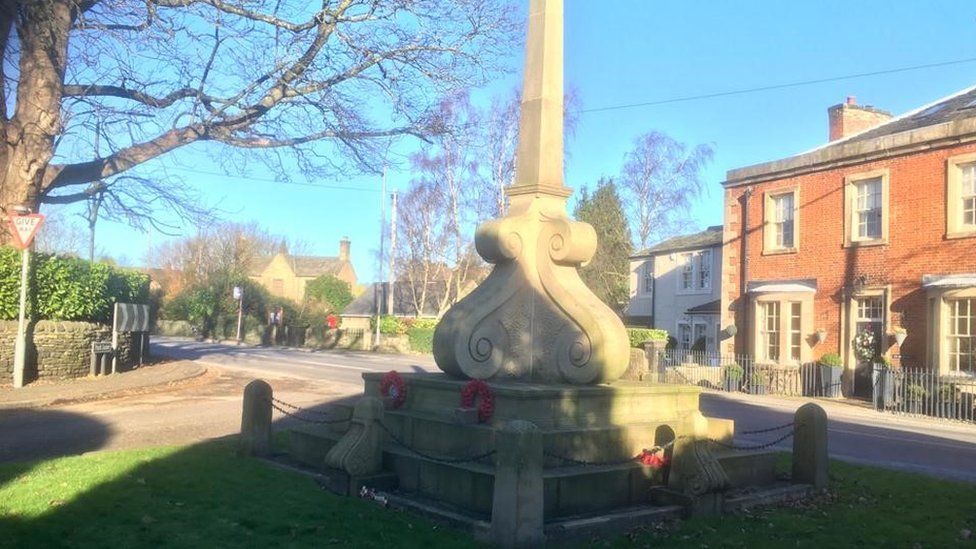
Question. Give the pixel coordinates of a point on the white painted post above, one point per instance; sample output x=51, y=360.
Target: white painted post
x=20, y=344
x=115, y=338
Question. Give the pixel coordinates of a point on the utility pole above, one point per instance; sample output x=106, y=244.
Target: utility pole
x=379, y=294
x=393, y=235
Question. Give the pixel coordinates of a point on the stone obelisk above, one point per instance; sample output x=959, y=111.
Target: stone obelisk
x=533, y=319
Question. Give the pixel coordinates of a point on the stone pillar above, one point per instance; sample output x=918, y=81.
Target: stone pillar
x=810, y=446
x=256, y=419
x=655, y=366
x=517, y=507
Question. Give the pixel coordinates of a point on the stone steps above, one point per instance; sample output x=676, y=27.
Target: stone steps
x=569, y=489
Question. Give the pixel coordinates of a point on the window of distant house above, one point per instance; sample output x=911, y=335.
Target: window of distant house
x=278, y=286
x=867, y=211
x=648, y=277
x=770, y=333
x=962, y=335
x=961, y=196
x=684, y=335
x=867, y=215
x=781, y=222
x=705, y=270
x=687, y=272
x=695, y=273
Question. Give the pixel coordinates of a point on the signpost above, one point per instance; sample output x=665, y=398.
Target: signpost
x=130, y=317
x=23, y=228
x=239, y=296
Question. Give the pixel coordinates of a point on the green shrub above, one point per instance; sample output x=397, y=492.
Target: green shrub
x=639, y=335
x=423, y=323
x=832, y=359
x=421, y=339
x=734, y=372
x=389, y=325
x=66, y=288
x=330, y=292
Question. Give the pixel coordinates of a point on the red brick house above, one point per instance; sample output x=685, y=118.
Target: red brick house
x=873, y=232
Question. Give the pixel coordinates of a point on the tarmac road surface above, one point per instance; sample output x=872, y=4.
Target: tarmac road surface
x=210, y=407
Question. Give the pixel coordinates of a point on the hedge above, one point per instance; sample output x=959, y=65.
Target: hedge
x=639, y=335
x=421, y=339
x=67, y=288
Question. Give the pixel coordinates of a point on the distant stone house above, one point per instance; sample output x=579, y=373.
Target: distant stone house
x=675, y=286
x=873, y=232
x=286, y=275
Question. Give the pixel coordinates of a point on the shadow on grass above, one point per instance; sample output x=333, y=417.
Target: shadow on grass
x=33, y=434
x=197, y=496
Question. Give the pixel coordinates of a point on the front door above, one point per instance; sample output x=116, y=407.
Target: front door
x=868, y=332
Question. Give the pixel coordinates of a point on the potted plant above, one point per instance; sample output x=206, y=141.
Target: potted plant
x=915, y=394
x=831, y=369
x=947, y=401
x=732, y=377
x=757, y=383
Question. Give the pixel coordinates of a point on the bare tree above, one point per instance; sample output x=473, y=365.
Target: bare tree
x=500, y=140
x=661, y=178
x=422, y=273
x=450, y=167
x=59, y=235
x=321, y=85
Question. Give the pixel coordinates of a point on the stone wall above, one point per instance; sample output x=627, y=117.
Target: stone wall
x=60, y=350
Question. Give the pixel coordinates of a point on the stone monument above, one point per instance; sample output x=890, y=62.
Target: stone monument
x=533, y=318
x=556, y=455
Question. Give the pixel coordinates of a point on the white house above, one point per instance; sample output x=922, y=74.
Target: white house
x=676, y=286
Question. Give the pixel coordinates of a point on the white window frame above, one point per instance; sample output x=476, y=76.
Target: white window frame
x=954, y=338
x=852, y=209
x=776, y=219
x=647, y=280
x=957, y=196
x=690, y=264
x=705, y=260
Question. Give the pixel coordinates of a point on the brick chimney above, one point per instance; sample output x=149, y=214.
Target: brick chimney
x=344, y=249
x=849, y=118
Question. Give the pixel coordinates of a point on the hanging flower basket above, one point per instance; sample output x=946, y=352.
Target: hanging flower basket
x=393, y=388
x=864, y=347
x=477, y=389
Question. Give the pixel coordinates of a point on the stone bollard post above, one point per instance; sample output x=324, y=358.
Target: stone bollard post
x=810, y=445
x=655, y=366
x=256, y=419
x=517, y=506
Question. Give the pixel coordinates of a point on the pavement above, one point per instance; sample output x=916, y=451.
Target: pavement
x=162, y=376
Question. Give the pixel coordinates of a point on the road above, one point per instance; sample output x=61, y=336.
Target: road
x=210, y=407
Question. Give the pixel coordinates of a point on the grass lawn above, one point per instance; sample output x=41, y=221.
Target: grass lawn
x=205, y=496
x=194, y=496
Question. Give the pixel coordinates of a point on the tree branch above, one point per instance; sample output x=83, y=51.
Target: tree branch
x=98, y=90
x=124, y=159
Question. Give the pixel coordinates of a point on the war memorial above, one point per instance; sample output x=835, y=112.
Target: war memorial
x=530, y=434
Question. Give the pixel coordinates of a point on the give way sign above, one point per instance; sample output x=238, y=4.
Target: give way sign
x=23, y=228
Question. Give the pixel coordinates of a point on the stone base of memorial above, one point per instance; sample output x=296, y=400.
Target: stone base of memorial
x=582, y=430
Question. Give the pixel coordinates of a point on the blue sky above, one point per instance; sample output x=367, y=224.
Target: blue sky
x=622, y=52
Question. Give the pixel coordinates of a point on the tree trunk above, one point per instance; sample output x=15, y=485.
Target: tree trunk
x=42, y=29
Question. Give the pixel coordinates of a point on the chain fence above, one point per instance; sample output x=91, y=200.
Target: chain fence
x=299, y=413
x=439, y=459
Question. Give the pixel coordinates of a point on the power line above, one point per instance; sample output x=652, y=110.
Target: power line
x=778, y=86
x=266, y=180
